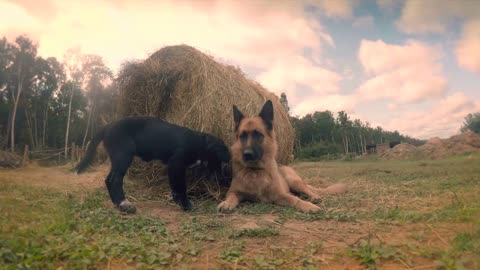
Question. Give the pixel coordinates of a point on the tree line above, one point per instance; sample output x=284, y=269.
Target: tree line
x=322, y=134
x=48, y=103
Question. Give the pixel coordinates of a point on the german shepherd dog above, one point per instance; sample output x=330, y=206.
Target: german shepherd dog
x=256, y=174
x=151, y=138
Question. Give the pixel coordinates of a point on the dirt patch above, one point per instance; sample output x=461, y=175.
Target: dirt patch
x=330, y=238
x=58, y=178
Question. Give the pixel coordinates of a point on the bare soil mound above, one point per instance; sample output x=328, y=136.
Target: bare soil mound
x=440, y=148
x=436, y=148
x=403, y=151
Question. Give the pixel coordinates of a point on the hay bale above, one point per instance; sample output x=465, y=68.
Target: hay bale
x=189, y=88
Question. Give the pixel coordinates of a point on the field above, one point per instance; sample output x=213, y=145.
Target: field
x=397, y=215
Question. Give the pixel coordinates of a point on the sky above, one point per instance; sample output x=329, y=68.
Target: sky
x=411, y=66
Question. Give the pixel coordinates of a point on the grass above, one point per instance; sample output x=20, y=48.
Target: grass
x=397, y=213
x=258, y=233
x=59, y=230
x=370, y=255
x=464, y=252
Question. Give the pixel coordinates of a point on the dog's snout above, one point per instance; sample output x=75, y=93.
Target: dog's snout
x=248, y=155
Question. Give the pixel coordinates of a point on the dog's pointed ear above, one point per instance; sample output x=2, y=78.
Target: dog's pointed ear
x=267, y=114
x=237, y=116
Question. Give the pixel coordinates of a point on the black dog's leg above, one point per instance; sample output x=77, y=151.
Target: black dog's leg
x=108, y=183
x=115, y=183
x=178, y=185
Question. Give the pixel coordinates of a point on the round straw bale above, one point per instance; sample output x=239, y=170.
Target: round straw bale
x=189, y=88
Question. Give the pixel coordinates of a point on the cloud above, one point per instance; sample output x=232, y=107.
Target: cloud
x=444, y=118
x=42, y=11
x=334, y=102
x=14, y=20
x=433, y=16
x=285, y=76
x=261, y=36
x=408, y=73
x=334, y=8
x=363, y=22
x=392, y=106
x=388, y=5
x=468, y=47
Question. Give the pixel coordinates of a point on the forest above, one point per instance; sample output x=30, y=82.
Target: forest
x=48, y=103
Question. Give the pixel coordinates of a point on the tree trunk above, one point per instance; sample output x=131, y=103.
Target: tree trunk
x=44, y=135
x=29, y=127
x=346, y=140
x=9, y=126
x=86, y=129
x=361, y=143
x=15, y=107
x=93, y=122
x=35, y=128
x=365, y=143
x=68, y=123
x=345, y=143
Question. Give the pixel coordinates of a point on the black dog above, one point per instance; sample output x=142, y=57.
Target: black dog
x=151, y=138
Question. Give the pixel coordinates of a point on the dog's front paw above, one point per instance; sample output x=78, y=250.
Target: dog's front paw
x=186, y=205
x=183, y=201
x=315, y=198
x=225, y=206
x=127, y=207
x=308, y=207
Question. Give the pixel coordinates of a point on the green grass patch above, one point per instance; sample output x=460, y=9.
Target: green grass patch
x=44, y=230
x=370, y=255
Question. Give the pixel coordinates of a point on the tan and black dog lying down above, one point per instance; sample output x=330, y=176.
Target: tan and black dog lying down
x=256, y=174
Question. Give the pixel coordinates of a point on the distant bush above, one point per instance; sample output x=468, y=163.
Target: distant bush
x=319, y=151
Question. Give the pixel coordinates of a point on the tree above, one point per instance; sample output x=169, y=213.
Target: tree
x=472, y=123
x=358, y=127
x=22, y=76
x=48, y=76
x=284, y=101
x=345, y=126
x=97, y=76
x=58, y=115
x=7, y=58
x=72, y=60
x=325, y=124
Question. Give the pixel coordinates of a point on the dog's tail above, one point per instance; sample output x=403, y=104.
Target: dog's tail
x=91, y=151
x=338, y=188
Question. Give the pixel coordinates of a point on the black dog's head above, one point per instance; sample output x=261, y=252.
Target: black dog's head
x=218, y=159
